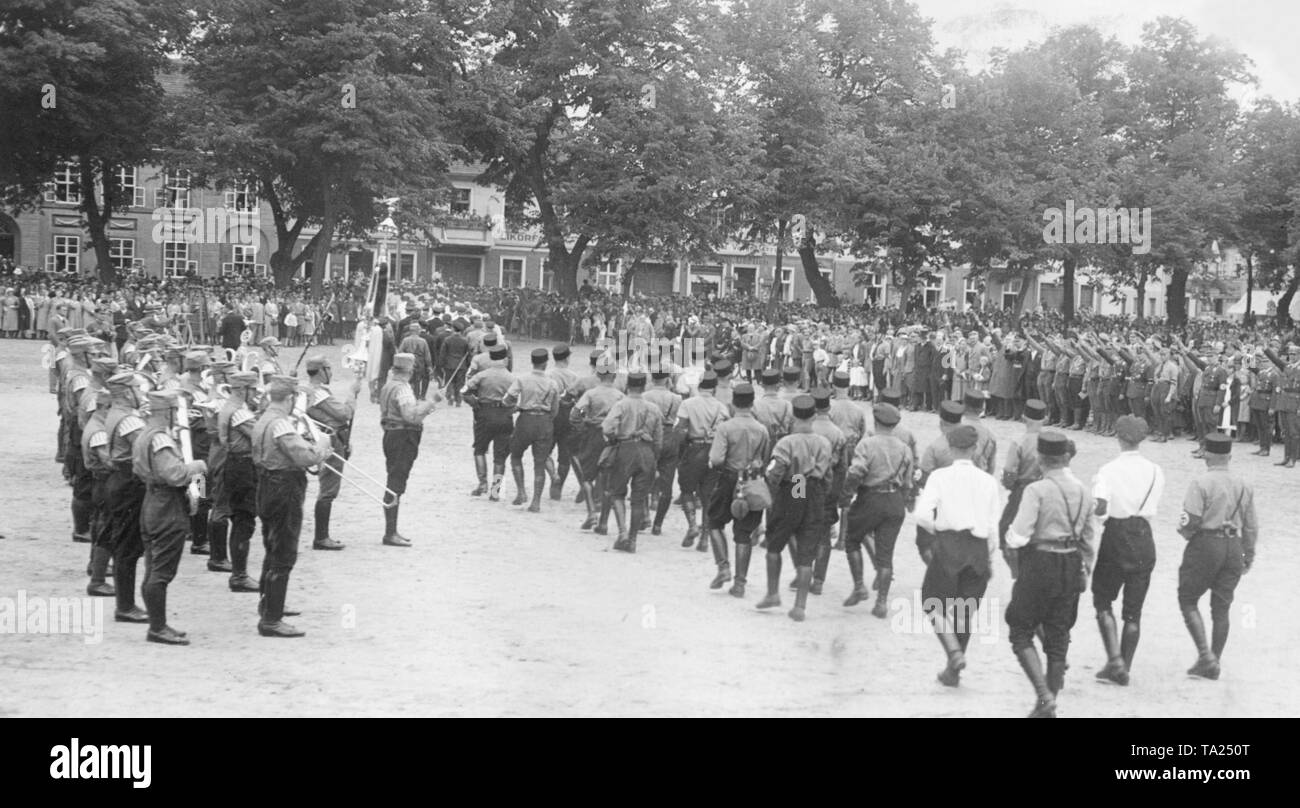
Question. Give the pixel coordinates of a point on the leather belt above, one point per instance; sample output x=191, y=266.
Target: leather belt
x=535, y=412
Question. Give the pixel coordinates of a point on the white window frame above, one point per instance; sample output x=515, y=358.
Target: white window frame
x=243, y=260
x=877, y=283
x=455, y=201
x=1011, y=289
x=829, y=275
x=128, y=186
x=935, y=284
x=175, y=265
x=548, y=277
x=970, y=286
x=787, y=282
x=242, y=197
x=65, y=188
x=523, y=271
x=415, y=264
x=608, y=274
x=734, y=270
x=67, y=254
x=121, y=251
x=175, y=190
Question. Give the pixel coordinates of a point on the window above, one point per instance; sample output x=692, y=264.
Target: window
x=66, y=188
x=787, y=284
x=176, y=258
x=121, y=251
x=744, y=280
x=460, y=200
x=873, y=289
x=175, y=192
x=607, y=274
x=243, y=259
x=128, y=188
x=971, y=288
x=829, y=275
x=512, y=272
x=67, y=253
x=933, y=291
x=242, y=197
x=406, y=267
x=1011, y=293
x=705, y=280
x=548, y=277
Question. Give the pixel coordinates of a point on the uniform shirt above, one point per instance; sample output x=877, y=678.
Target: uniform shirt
x=535, y=392
x=277, y=446
x=668, y=402
x=986, y=446
x=235, y=428
x=566, y=380
x=905, y=435
x=492, y=384
x=1213, y=380
x=584, y=384
x=851, y=420
x=878, y=461
x=1168, y=372
x=739, y=443
x=960, y=497
x=723, y=393
x=94, y=443
x=634, y=418
x=1057, y=507
x=594, y=405
x=399, y=408
x=75, y=383
x=774, y=412
x=1211, y=503
x=1131, y=485
x=700, y=415
x=156, y=459
x=790, y=393
x=802, y=453
x=324, y=407
x=1022, y=462
x=939, y=454
x=824, y=426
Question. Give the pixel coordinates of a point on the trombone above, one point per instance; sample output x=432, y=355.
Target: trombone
x=196, y=491
x=311, y=426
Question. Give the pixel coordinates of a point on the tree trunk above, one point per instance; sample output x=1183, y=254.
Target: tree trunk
x=98, y=216
x=1249, y=318
x=321, y=253
x=1068, y=266
x=1284, y=302
x=1026, y=280
x=628, y=274
x=1141, y=288
x=774, y=294
x=1176, y=297
x=821, y=287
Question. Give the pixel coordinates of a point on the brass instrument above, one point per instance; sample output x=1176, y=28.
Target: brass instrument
x=196, y=490
x=386, y=500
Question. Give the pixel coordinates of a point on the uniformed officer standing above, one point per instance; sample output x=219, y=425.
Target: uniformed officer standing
x=238, y=488
x=219, y=512
x=1209, y=402
x=939, y=453
x=1261, y=401
x=790, y=375
x=739, y=449
x=336, y=414
x=95, y=457
x=76, y=384
x=986, y=446
x=634, y=430
x=537, y=397
x=723, y=368
x=567, y=381
x=877, y=490
x=1218, y=521
x=191, y=384
x=772, y=409
x=124, y=492
x=669, y=403
x=698, y=420
x=841, y=454
x=493, y=421
x=164, y=515
x=798, y=474
x=1286, y=403
x=402, y=416
x=1127, y=491
x=956, y=533
x=852, y=421
x=282, y=457
x=588, y=414
x=1020, y=471
x=1054, y=527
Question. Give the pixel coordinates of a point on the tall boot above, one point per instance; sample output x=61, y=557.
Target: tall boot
x=498, y=476
x=626, y=541
x=1218, y=635
x=218, y=532
x=391, y=537
x=539, y=486
x=1055, y=675
x=553, y=476
x=517, y=471
x=702, y=541
x=124, y=578
x=322, y=540
x=199, y=532
x=241, y=534
x=98, y=587
x=1128, y=643
x=773, y=598
x=480, y=468
x=1207, y=664
x=1115, y=670
x=743, y=553
x=272, y=623
x=661, y=512
x=718, y=541
x=586, y=496
x=804, y=577
x=1033, y=668
x=606, y=506
x=883, y=580
x=81, y=520
x=951, y=675
x=860, y=591
x=692, y=532
x=821, y=564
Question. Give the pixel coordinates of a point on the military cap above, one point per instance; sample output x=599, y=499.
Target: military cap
x=1053, y=444
x=709, y=380
x=722, y=367
x=560, y=352
x=317, y=363
x=269, y=342
x=770, y=377
x=404, y=361
x=892, y=395
x=163, y=400
x=224, y=366
x=790, y=373
x=840, y=379
x=498, y=352
x=821, y=398
x=886, y=414
x=122, y=381
x=83, y=344
x=963, y=437
x=742, y=395
x=804, y=406
x=242, y=379
x=103, y=365
x=659, y=375
x=950, y=412
x=636, y=380
x=1131, y=428
x=540, y=356
x=1035, y=410
x=67, y=331
x=490, y=339
x=1218, y=443
x=196, y=360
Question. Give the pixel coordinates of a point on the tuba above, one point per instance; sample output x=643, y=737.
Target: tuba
x=196, y=490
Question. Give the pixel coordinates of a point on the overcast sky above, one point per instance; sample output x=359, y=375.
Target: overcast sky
x=1264, y=30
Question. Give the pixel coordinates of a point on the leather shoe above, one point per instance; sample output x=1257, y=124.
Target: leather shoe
x=860, y=593
x=219, y=566
x=949, y=677
x=100, y=590
x=167, y=636
x=327, y=544
x=136, y=615
x=1205, y=669
x=280, y=629
x=397, y=540
x=1113, y=672
x=200, y=549
x=242, y=583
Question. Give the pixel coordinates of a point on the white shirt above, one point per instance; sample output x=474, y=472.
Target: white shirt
x=961, y=497
x=1124, y=483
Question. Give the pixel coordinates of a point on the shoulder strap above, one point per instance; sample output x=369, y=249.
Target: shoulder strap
x=1150, y=488
x=1073, y=517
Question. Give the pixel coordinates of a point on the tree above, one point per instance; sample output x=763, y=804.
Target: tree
x=1269, y=166
x=79, y=86
x=328, y=105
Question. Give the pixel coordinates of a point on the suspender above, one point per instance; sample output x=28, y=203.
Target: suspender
x=1150, y=488
x=1074, y=517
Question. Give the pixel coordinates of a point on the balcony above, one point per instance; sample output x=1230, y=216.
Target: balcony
x=462, y=228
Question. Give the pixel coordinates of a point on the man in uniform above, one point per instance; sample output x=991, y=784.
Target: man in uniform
x=1020, y=471
x=401, y=415
x=270, y=364
x=669, y=403
x=493, y=421
x=633, y=428
x=190, y=383
x=587, y=416
x=76, y=385
x=537, y=397
x=956, y=533
x=336, y=414
x=1286, y=403
x=790, y=383
x=1209, y=401
x=1261, y=401
x=841, y=454
x=698, y=420
x=739, y=449
x=1127, y=491
x=1055, y=529
x=798, y=475
x=95, y=458
x=452, y=357
x=722, y=392
x=282, y=457
x=413, y=342
x=1218, y=521
x=986, y=446
x=238, y=488
x=124, y=492
x=1164, y=394
x=877, y=490
x=164, y=515
x=567, y=382
x=939, y=453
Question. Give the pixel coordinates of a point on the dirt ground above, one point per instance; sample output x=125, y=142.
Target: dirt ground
x=498, y=612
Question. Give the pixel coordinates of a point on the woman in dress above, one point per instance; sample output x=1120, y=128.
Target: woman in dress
x=9, y=314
